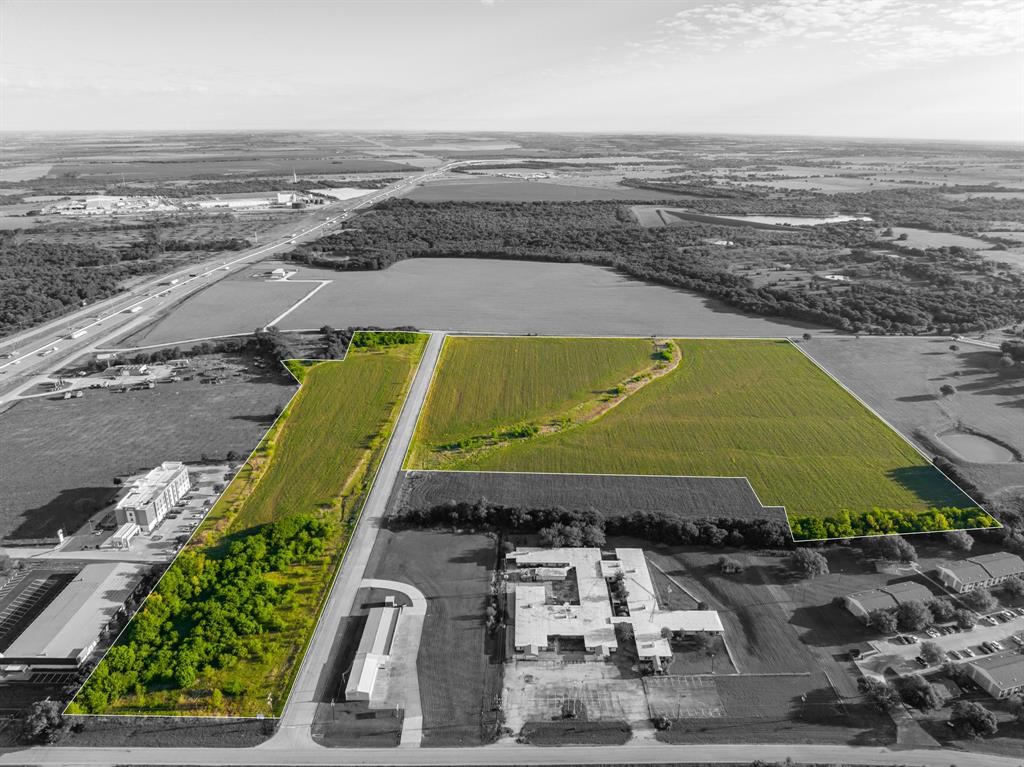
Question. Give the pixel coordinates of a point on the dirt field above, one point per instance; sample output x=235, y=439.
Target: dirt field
x=483, y=296
x=234, y=305
x=459, y=671
x=923, y=238
x=692, y=497
x=499, y=189
x=900, y=379
x=58, y=458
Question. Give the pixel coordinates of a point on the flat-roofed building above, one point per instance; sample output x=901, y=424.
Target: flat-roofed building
x=981, y=571
x=373, y=652
x=888, y=597
x=149, y=498
x=122, y=538
x=539, y=616
x=65, y=633
x=1000, y=675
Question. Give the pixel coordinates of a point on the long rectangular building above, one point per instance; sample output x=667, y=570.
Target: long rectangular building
x=68, y=629
x=373, y=652
x=982, y=571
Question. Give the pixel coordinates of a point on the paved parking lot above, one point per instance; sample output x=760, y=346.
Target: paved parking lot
x=900, y=657
x=683, y=697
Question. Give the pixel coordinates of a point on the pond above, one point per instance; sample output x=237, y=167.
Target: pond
x=976, y=448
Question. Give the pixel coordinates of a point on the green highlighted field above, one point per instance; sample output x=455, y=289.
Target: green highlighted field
x=225, y=629
x=757, y=409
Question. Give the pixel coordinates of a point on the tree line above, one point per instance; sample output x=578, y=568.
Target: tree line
x=558, y=526
x=880, y=521
x=945, y=299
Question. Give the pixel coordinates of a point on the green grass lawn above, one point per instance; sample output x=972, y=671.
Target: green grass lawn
x=319, y=459
x=753, y=408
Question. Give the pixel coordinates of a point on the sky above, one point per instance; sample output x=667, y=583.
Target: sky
x=935, y=69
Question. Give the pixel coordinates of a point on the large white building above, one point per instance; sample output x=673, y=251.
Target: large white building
x=373, y=652
x=984, y=570
x=66, y=632
x=149, y=498
x=540, y=618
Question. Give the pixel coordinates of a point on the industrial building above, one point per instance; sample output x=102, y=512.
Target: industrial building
x=1000, y=675
x=149, y=498
x=122, y=538
x=67, y=630
x=863, y=603
x=982, y=571
x=541, y=619
x=373, y=652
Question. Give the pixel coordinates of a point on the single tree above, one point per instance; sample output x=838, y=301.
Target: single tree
x=972, y=719
x=913, y=616
x=44, y=723
x=917, y=692
x=932, y=653
x=961, y=540
x=980, y=600
x=883, y=621
x=1014, y=586
x=809, y=563
x=965, y=619
x=947, y=390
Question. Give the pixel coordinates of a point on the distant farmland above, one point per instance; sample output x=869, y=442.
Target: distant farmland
x=752, y=408
x=225, y=630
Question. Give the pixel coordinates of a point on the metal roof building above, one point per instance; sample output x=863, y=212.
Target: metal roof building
x=889, y=597
x=980, y=571
x=373, y=652
x=68, y=629
x=1000, y=675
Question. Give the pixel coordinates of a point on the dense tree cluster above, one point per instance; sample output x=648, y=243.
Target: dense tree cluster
x=887, y=522
x=584, y=527
x=207, y=611
x=42, y=280
x=938, y=292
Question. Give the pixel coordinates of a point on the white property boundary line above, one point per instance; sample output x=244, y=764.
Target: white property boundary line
x=241, y=466
x=902, y=436
x=785, y=339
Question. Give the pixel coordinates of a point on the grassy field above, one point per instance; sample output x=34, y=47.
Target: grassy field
x=318, y=459
x=514, y=382
x=753, y=408
x=459, y=672
x=58, y=458
x=233, y=305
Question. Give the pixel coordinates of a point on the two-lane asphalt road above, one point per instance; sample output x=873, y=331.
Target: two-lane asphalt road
x=509, y=754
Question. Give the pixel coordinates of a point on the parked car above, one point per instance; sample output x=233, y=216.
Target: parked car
x=995, y=645
x=921, y=662
x=967, y=652
x=991, y=620
x=953, y=654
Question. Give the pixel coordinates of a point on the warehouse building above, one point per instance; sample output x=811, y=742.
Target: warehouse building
x=149, y=498
x=863, y=603
x=982, y=571
x=1000, y=675
x=68, y=629
x=373, y=652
